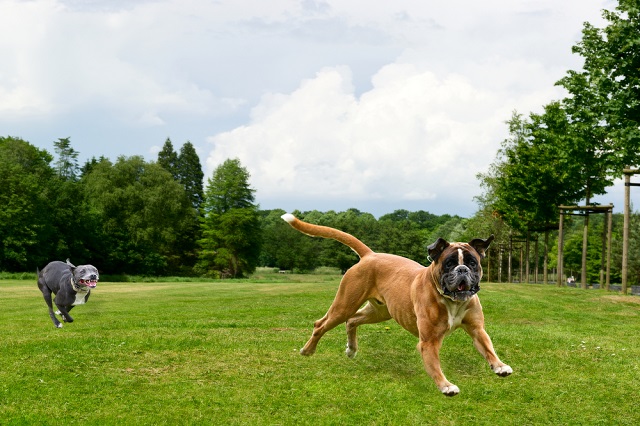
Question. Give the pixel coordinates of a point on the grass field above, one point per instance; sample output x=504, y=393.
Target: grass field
x=226, y=353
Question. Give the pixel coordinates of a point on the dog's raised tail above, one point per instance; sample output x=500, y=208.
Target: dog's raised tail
x=348, y=240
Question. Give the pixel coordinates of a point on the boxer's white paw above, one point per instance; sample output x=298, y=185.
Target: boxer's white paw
x=59, y=325
x=306, y=352
x=451, y=390
x=351, y=353
x=58, y=313
x=503, y=370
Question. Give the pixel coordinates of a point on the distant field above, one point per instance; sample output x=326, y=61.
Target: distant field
x=226, y=353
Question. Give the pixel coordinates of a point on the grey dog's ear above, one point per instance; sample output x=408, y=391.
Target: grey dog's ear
x=481, y=245
x=71, y=264
x=436, y=249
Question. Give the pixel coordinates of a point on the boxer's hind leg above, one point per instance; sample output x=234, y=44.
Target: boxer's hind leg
x=373, y=312
x=350, y=296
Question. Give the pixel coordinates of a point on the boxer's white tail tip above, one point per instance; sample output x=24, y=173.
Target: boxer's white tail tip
x=288, y=217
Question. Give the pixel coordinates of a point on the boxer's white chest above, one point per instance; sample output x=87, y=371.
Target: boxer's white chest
x=456, y=312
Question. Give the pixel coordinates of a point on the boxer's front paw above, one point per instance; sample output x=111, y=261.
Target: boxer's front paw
x=450, y=390
x=351, y=353
x=502, y=370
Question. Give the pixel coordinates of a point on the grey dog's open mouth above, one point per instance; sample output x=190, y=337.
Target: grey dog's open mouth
x=88, y=283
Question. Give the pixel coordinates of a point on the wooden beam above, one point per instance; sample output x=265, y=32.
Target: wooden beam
x=625, y=232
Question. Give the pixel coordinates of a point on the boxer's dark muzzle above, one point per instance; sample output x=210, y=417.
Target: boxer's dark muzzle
x=460, y=283
x=461, y=272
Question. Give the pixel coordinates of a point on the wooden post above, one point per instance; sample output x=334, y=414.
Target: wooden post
x=545, y=274
x=609, y=228
x=522, y=277
x=527, y=259
x=500, y=263
x=603, y=252
x=535, y=271
x=585, y=237
x=509, y=276
x=625, y=231
x=560, y=249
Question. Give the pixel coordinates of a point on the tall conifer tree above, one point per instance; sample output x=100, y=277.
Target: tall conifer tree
x=231, y=230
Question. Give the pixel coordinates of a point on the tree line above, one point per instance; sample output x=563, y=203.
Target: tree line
x=142, y=217
x=155, y=218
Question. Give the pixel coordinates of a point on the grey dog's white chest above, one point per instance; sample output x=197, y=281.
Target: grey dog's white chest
x=81, y=297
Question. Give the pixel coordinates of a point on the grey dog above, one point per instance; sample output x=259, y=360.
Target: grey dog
x=70, y=284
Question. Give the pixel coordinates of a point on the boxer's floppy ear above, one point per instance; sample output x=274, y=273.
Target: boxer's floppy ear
x=481, y=245
x=71, y=264
x=436, y=249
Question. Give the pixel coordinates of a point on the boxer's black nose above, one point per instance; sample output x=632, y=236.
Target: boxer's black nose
x=462, y=269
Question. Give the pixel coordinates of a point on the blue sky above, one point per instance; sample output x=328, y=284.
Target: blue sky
x=328, y=104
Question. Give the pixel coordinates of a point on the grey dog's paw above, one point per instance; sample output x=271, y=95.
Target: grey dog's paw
x=503, y=370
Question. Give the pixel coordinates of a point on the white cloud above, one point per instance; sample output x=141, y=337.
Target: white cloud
x=413, y=136
x=67, y=55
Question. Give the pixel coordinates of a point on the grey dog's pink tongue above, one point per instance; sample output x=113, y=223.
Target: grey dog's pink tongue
x=88, y=283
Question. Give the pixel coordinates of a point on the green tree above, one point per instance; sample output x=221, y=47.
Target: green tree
x=401, y=235
x=73, y=226
x=539, y=167
x=284, y=247
x=25, y=192
x=67, y=163
x=168, y=159
x=90, y=164
x=189, y=171
x=359, y=224
x=515, y=179
x=605, y=95
x=142, y=211
x=231, y=232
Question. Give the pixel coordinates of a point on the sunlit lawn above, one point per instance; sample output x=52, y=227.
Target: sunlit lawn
x=227, y=353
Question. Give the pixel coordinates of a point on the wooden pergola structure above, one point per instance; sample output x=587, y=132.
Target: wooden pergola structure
x=625, y=232
x=606, y=242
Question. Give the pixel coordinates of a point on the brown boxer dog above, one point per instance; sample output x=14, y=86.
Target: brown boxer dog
x=429, y=302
